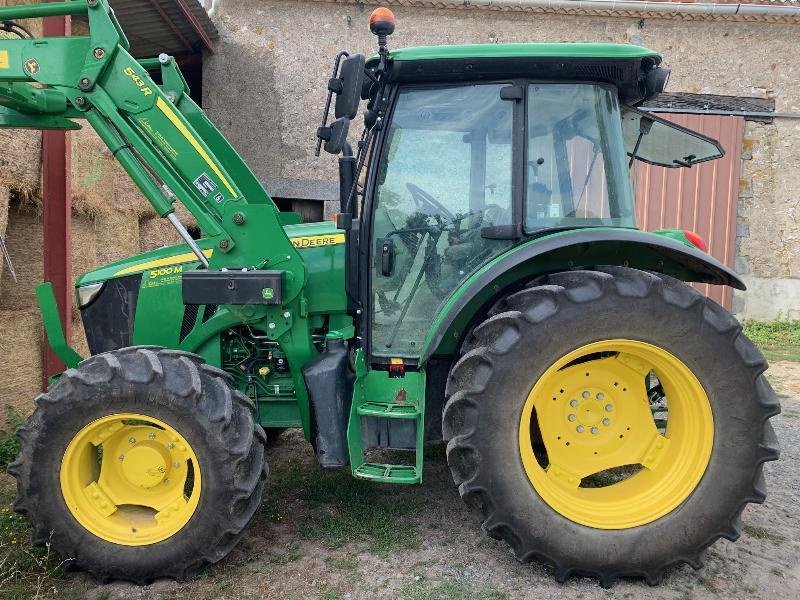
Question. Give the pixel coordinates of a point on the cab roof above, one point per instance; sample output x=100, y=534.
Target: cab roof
x=564, y=50
x=622, y=65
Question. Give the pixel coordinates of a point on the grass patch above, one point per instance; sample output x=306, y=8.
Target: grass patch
x=778, y=340
x=292, y=554
x=447, y=589
x=342, y=509
x=762, y=533
x=25, y=573
x=341, y=564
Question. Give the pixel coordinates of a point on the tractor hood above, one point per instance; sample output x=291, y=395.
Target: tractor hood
x=303, y=236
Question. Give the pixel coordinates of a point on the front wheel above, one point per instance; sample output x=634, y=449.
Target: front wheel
x=139, y=464
x=609, y=423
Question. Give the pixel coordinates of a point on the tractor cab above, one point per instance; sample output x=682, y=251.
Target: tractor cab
x=471, y=150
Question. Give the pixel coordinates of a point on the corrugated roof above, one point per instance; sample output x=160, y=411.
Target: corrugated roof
x=177, y=27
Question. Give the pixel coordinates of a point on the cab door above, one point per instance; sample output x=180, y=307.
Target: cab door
x=444, y=179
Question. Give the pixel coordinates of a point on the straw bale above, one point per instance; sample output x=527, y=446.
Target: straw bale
x=157, y=232
x=20, y=159
x=24, y=242
x=5, y=196
x=78, y=338
x=4, y=199
x=84, y=245
x=92, y=174
x=127, y=196
x=117, y=236
x=21, y=368
x=20, y=149
x=184, y=215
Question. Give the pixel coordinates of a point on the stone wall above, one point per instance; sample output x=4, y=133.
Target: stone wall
x=265, y=88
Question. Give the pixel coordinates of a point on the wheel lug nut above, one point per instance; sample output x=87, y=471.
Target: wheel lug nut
x=165, y=482
x=600, y=395
x=572, y=417
x=594, y=430
x=606, y=421
x=579, y=428
x=573, y=403
x=609, y=408
x=132, y=440
x=586, y=394
x=122, y=457
x=170, y=446
x=176, y=465
x=151, y=436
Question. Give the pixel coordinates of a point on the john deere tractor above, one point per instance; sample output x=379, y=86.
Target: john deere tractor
x=484, y=283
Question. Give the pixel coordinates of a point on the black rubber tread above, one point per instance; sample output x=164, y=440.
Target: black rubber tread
x=181, y=390
x=504, y=356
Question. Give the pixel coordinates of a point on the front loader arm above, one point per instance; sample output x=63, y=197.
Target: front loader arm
x=161, y=138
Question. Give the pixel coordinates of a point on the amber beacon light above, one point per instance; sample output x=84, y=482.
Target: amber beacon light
x=382, y=21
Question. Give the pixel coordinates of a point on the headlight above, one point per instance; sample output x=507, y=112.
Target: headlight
x=86, y=293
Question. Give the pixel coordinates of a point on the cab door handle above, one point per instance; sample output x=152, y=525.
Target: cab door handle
x=387, y=257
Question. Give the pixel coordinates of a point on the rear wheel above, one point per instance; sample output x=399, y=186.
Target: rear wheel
x=139, y=464
x=609, y=423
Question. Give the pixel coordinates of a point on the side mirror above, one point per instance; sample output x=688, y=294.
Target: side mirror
x=335, y=135
x=348, y=86
x=655, y=81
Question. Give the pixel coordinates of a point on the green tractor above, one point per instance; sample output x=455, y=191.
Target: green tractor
x=484, y=283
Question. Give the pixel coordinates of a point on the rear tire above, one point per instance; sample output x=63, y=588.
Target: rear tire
x=170, y=392
x=531, y=330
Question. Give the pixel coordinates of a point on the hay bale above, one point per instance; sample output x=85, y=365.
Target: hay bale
x=21, y=160
x=157, y=232
x=21, y=369
x=24, y=242
x=21, y=149
x=92, y=174
x=78, y=338
x=5, y=194
x=84, y=245
x=128, y=197
x=117, y=236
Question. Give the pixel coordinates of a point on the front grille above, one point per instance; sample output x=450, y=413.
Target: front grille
x=189, y=319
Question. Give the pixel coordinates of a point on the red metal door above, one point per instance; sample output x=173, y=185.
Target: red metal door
x=702, y=199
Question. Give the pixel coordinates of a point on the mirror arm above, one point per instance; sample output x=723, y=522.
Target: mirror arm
x=337, y=61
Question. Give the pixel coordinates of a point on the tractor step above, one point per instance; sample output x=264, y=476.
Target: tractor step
x=388, y=410
x=385, y=473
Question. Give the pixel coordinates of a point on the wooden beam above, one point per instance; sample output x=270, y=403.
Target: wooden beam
x=175, y=29
x=196, y=25
x=57, y=215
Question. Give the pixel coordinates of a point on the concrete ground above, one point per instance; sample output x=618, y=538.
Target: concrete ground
x=327, y=536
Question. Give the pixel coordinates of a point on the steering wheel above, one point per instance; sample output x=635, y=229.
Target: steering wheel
x=427, y=203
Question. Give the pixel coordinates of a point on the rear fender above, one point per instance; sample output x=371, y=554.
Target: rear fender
x=576, y=249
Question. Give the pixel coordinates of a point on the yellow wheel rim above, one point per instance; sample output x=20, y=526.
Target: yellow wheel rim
x=130, y=479
x=603, y=456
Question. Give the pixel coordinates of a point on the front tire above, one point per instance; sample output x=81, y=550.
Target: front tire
x=537, y=420
x=139, y=464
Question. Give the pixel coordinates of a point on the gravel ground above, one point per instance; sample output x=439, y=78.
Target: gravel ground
x=421, y=544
